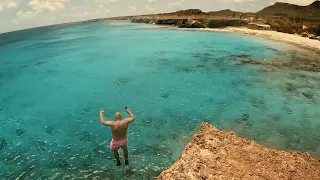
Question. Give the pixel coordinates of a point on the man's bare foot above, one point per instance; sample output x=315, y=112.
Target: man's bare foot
x=126, y=162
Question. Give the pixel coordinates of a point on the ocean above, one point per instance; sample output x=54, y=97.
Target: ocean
x=55, y=80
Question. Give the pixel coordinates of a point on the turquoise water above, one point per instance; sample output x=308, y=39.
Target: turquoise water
x=54, y=81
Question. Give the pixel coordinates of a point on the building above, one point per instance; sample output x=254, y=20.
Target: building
x=259, y=26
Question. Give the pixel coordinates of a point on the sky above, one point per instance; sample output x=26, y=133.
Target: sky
x=23, y=14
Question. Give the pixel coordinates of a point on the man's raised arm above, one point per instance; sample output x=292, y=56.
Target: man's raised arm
x=104, y=122
x=132, y=118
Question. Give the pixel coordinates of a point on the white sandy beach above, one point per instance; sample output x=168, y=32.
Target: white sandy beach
x=313, y=45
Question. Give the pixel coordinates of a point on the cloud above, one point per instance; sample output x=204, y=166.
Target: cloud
x=298, y=2
x=105, y=11
x=14, y=21
x=25, y=15
x=152, y=1
x=271, y=2
x=101, y=1
x=149, y=8
x=104, y=1
x=242, y=1
x=47, y=5
x=132, y=7
x=12, y=4
x=175, y=4
x=85, y=13
x=7, y=4
x=21, y=15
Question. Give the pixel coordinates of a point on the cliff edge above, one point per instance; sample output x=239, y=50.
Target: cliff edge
x=215, y=154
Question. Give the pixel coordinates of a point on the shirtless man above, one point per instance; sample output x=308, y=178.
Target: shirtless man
x=119, y=130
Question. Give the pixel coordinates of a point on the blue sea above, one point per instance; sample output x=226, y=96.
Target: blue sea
x=55, y=80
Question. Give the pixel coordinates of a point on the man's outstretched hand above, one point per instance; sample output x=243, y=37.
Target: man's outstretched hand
x=132, y=118
x=102, y=112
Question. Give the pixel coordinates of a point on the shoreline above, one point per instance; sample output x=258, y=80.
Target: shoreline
x=293, y=39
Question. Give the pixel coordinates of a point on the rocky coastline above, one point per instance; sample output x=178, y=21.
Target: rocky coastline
x=215, y=154
x=190, y=23
x=202, y=23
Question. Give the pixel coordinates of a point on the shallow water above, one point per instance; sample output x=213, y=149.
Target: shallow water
x=54, y=82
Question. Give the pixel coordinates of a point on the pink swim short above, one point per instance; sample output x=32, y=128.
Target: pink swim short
x=115, y=145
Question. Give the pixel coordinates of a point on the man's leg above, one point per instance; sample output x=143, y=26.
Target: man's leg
x=114, y=148
x=116, y=155
x=126, y=156
x=125, y=151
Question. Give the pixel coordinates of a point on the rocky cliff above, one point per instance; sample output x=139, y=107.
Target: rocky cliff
x=190, y=23
x=214, y=154
x=283, y=17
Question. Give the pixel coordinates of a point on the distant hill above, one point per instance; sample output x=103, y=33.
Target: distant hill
x=226, y=12
x=189, y=12
x=315, y=4
x=291, y=18
x=283, y=17
x=278, y=9
x=291, y=10
x=222, y=13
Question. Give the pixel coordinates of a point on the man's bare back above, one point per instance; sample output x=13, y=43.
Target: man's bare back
x=119, y=130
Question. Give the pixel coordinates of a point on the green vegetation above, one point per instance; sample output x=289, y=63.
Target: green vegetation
x=189, y=12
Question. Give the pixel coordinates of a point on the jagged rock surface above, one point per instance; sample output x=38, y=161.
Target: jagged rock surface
x=214, y=154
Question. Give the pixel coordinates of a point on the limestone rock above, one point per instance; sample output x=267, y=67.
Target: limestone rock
x=190, y=24
x=214, y=154
x=166, y=21
x=312, y=36
x=305, y=34
x=140, y=20
x=181, y=22
x=194, y=24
